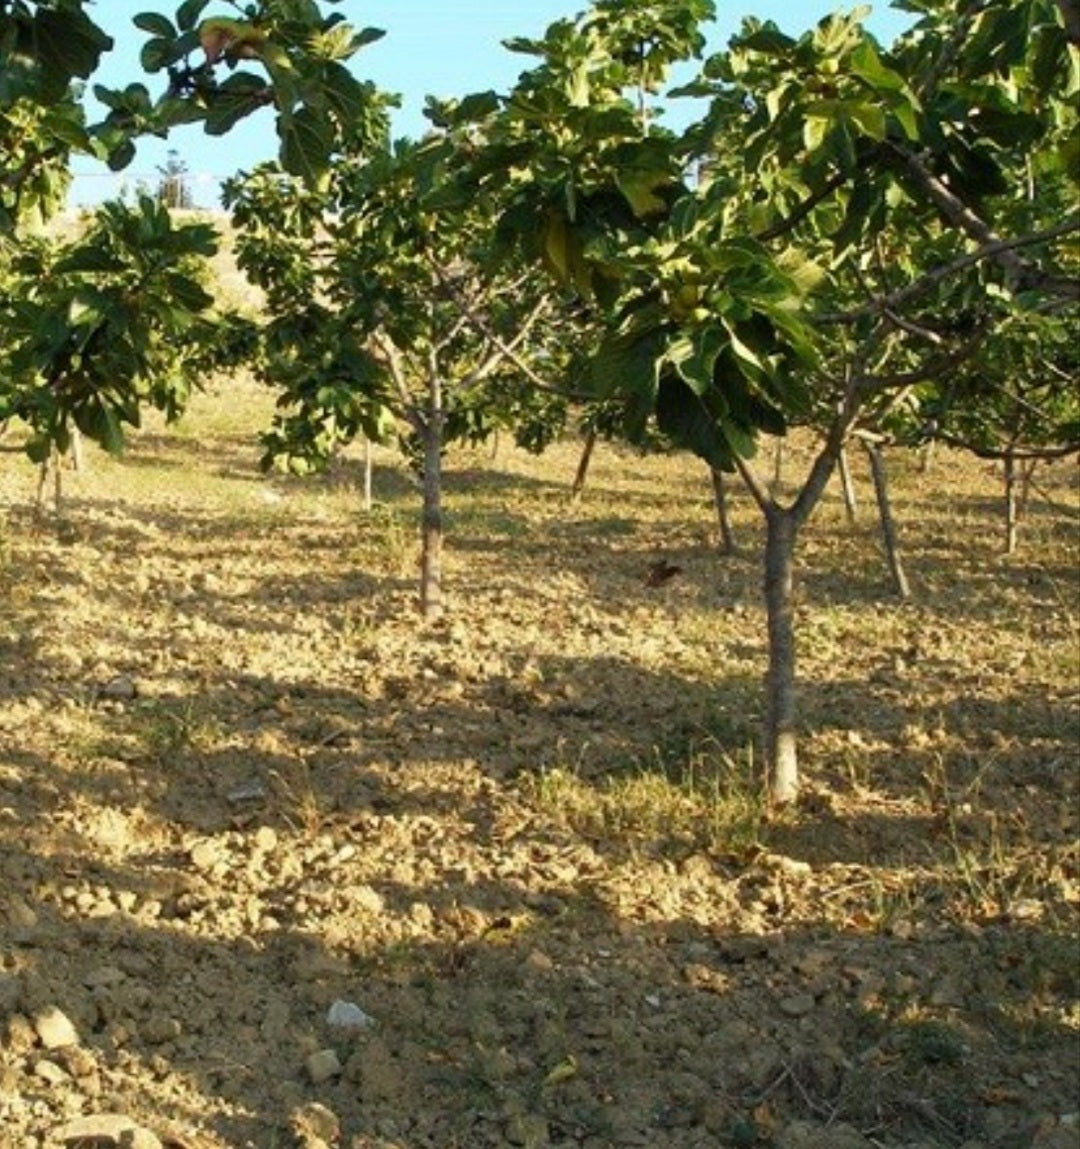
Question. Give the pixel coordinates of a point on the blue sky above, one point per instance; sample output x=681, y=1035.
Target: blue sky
x=443, y=48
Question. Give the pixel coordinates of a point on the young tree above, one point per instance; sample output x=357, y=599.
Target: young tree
x=380, y=318
x=854, y=203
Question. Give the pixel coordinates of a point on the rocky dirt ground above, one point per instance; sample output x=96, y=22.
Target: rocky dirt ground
x=280, y=865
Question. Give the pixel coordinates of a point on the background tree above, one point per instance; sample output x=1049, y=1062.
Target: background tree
x=86, y=330
x=173, y=189
x=101, y=325
x=381, y=320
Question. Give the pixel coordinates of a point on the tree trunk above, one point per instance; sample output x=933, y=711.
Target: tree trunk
x=1027, y=481
x=431, y=604
x=727, y=537
x=78, y=461
x=888, y=523
x=847, y=487
x=368, y=468
x=583, y=467
x=1011, y=514
x=53, y=463
x=926, y=457
x=778, y=466
x=781, y=755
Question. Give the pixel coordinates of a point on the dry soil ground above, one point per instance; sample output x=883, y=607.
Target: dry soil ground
x=241, y=781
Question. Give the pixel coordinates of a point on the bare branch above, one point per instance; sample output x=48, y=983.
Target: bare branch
x=912, y=328
x=1020, y=454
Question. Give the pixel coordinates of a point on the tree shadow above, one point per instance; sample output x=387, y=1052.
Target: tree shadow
x=529, y=990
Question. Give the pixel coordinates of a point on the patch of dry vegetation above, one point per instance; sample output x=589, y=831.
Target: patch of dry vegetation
x=240, y=780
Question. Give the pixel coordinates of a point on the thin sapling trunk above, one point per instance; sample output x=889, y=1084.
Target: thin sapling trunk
x=889, y=534
x=847, y=487
x=582, y=472
x=368, y=469
x=431, y=604
x=779, y=739
x=723, y=518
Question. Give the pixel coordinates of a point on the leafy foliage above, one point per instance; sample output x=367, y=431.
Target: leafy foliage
x=101, y=325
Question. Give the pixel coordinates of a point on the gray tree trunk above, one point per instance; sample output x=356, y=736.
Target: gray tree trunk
x=727, y=537
x=431, y=603
x=889, y=535
x=779, y=735
x=368, y=468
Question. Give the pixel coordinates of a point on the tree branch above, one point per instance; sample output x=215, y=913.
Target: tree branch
x=758, y=491
x=961, y=216
x=991, y=250
x=804, y=209
x=1061, y=451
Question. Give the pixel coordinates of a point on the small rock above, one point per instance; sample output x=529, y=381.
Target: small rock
x=122, y=688
x=348, y=1015
x=538, y=962
x=205, y=854
x=743, y=949
x=266, y=839
x=55, y=1029
x=796, y=867
x=799, y=1005
x=79, y=1062
x=704, y=977
x=49, y=1071
x=107, y=1129
x=20, y=913
x=159, y=1028
x=246, y=792
x=322, y=1065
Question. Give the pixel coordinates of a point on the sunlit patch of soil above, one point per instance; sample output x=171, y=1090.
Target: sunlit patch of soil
x=241, y=780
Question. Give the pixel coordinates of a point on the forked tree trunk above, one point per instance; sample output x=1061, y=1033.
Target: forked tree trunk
x=780, y=745
x=847, y=487
x=582, y=472
x=727, y=537
x=431, y=604
x=782, y=526
x=889, y=534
